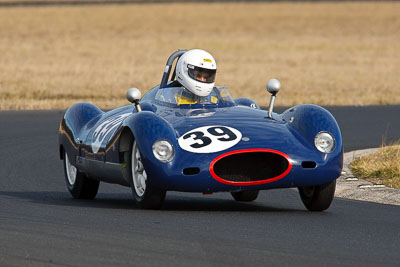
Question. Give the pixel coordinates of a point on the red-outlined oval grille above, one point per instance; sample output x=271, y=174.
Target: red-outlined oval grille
x=250, y=167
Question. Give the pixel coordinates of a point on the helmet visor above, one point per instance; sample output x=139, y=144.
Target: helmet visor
x=201, y=74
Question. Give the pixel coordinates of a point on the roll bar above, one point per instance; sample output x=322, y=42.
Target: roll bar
x=168, y=66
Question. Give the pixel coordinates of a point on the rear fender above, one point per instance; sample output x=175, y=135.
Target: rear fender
x=75, y=118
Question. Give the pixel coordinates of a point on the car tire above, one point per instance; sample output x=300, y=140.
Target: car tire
x=318, y=198
x=79, y=185
x=146, y=196
x=245, y=196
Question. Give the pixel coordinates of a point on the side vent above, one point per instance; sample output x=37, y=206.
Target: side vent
x=191, y=171
x=308, y=164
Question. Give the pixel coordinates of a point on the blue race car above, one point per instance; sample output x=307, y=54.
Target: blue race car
x=173, y=140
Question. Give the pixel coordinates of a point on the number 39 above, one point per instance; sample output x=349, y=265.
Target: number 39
x=209, y=139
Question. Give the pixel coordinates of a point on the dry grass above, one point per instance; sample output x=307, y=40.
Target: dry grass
x=76, y=1
x=382, y=167
x=323, y=53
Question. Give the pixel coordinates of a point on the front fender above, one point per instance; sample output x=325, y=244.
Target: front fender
x=312, y=119
x=308, y=121
x=147, y=128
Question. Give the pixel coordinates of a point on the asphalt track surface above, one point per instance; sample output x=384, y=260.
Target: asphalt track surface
x=41, y=225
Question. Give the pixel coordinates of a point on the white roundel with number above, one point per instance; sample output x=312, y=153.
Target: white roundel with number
x=209, y=139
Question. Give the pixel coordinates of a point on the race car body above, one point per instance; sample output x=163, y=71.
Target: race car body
x=170, y=143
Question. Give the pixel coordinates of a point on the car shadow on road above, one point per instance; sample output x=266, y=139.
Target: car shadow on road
x=125, y=201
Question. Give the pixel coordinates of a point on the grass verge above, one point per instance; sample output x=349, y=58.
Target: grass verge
x=325, y=53
x=382, y=167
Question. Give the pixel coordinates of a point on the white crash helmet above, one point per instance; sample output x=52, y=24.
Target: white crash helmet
x=196, y=71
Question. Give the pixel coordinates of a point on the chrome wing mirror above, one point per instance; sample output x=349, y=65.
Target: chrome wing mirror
x=134, y=95
x=273, y=87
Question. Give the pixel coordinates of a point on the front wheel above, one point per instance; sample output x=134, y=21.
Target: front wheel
x=318, y=198
x=146, y=196
x=245, y=196
x=80, y=186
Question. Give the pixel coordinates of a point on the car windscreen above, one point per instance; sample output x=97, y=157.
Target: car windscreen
x=181, y=98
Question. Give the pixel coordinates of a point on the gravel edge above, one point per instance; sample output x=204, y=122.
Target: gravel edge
x=351, y=187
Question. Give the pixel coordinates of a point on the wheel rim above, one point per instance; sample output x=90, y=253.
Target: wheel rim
x=139, y=175
x=71, y=171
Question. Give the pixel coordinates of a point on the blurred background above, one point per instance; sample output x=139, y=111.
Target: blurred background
x=328, y=53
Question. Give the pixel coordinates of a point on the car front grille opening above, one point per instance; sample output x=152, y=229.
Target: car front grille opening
x=250, y=166
x=308, y=164
x=191, y=171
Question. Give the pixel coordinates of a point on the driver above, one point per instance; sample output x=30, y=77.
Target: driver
x=195, y=71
